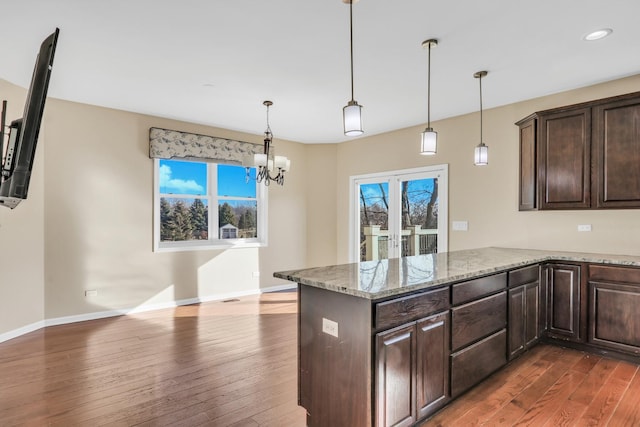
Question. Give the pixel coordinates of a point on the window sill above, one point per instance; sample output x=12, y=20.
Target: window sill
x=207, y=245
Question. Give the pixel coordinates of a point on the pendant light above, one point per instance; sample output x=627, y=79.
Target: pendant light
x=352, y=112
x=429, y=136
x=481, y=157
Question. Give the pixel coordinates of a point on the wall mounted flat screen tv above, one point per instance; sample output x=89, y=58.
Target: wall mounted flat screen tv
x=17, y=157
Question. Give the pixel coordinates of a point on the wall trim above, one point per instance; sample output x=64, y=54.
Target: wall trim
x=140, y=309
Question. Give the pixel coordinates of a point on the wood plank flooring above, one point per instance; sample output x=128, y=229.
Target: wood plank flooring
x=234, y=364
x=551, y=386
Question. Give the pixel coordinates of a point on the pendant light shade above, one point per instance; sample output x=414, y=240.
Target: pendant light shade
x=481, y=155
x=352, y=112
x=429, y=144
x=352, y=116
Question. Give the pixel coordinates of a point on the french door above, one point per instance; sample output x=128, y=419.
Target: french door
x=399, y=213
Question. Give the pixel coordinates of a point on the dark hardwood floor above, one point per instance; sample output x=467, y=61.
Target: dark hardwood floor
x=551, y=386
x=234, y=364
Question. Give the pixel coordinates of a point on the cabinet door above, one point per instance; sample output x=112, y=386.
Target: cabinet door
x=614, y=320
x=532, y=310
x=432, y=373
x=564, y=301
x=528, y=195
x=395, y=376
x=517, y=313
x=616, y=142
x=564, y=159
x=523, y=317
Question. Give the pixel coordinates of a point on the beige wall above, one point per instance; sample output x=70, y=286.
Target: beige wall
x=88, y=221
x=487, y=197
x=98, y=218
x=22, y=239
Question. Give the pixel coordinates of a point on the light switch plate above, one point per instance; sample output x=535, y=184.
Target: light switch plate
x=460, y=226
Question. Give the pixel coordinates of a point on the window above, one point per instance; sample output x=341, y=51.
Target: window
x=399, y=213
x=201, y=205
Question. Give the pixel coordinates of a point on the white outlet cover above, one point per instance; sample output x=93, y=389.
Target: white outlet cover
x=584, y=227
x=330, y=327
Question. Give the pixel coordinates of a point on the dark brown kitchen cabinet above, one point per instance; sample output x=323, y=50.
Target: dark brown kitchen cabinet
x=528, y=195
x=564, y=159
x=412, y=370
x=395, y=376
x=616, y=143
x=478, y=330
x=563, y=303
x=584, y=156
x=614, y=298
x=524, y=308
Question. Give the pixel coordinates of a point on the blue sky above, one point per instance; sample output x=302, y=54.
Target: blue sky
x=184, y=177
x=416, y=190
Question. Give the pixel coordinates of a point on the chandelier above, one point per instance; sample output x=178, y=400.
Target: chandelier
x=267, y=163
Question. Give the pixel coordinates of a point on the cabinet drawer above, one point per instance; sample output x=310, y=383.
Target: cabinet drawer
x=477, y=319
x=524, y=275
x=614, y=274
x=401, y=310
x=474, y=289
x=474, y=363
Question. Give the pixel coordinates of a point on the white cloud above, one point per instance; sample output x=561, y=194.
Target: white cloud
x=178, y=186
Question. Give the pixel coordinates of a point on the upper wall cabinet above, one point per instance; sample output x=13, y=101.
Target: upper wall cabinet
x=582, y=156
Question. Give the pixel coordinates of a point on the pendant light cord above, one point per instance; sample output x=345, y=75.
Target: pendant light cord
x=351, y=38
x=429, y=88
x=481, y=138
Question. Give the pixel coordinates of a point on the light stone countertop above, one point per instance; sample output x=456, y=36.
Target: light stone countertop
x=380, y=279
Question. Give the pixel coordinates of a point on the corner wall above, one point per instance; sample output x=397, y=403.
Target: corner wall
x=99, y=216
x=22, y=241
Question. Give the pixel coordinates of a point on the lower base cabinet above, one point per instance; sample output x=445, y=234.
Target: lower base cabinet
x=614, y=317
x=412, y=371
x=524, y=313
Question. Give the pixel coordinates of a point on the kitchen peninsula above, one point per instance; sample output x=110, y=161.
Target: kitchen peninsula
x=390, y=342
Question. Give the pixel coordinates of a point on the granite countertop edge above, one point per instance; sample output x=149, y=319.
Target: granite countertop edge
x=308, y=276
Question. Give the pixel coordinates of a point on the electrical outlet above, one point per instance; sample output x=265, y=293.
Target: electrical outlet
x=584, y=227
x=256, y=274
x=91, y=293
x=330, y=327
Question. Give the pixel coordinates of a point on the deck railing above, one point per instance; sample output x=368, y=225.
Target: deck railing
x=413, y=240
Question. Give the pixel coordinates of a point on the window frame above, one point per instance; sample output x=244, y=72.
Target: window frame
x=212, y=199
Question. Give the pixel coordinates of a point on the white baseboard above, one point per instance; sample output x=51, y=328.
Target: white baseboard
x=140, y=309
x=21, y=331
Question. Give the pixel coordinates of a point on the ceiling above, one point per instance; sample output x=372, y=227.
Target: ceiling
x=213, y=62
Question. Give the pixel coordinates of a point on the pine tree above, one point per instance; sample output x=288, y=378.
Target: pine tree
x=165, y=216
x=199, y=219
x=180, y=222
x=226, y=215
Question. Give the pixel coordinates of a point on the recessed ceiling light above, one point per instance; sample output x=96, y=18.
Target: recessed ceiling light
x=598, y=34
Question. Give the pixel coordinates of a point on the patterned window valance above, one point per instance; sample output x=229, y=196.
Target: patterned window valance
x=168, y=144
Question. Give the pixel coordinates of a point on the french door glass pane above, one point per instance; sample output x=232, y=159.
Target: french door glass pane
x=419, y=216
x=374, y=221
